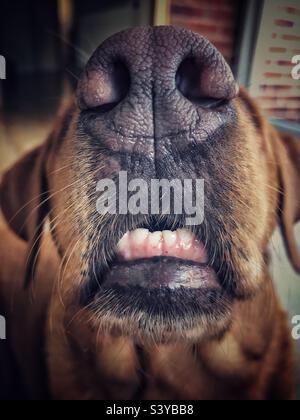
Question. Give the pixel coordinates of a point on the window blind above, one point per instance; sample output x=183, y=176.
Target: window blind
x=271, y=81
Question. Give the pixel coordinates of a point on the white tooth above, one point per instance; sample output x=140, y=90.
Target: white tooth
x=154, y=238
x=123, y=244
x=126, y=255
x=170, y=238
x=139, y=236
x=185, y=237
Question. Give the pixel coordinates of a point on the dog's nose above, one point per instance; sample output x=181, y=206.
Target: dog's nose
x=155, y=80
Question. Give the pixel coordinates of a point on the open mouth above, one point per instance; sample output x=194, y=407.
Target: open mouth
x=156, y=260
x=160, y=283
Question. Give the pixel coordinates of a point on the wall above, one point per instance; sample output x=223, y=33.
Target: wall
x=215, y=19
x=97, y=23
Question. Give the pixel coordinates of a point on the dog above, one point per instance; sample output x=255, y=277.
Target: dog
x=86, y=322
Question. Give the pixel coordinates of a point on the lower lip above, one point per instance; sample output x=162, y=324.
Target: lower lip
x=159, y=272
x=159, y=290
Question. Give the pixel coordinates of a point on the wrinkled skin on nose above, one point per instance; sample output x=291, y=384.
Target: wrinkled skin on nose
x=154, y=92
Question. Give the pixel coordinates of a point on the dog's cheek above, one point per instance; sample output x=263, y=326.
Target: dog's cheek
x=257, y=218
x=70, y=214
x=267, y=193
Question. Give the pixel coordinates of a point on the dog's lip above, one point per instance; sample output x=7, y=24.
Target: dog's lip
x=158, y=259
x=161, y=291
x=125, y=278
x=161, y=286
x=161, y=272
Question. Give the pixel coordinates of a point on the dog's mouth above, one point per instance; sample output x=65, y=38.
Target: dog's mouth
x=157, y=260
x=160, y=281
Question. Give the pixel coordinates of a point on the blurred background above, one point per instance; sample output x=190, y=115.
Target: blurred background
x=46, y=44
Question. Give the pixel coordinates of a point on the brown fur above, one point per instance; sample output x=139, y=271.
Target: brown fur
x=54, y=349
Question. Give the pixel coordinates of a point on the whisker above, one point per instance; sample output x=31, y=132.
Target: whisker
x=84, y=55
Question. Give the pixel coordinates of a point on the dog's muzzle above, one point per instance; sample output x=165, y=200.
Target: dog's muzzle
x=149, y=98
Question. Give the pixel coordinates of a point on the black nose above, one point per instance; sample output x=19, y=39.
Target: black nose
x=156, y=80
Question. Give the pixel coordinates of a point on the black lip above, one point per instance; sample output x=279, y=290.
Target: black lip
x=156, y=298
x=159, y=286
x=158, y=272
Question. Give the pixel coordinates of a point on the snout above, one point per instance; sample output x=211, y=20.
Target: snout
x=160, y=104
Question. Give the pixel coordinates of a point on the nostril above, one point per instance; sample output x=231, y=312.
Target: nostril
x=207, y=86
x=120, y=83
x=101, y=90
x=188, y=78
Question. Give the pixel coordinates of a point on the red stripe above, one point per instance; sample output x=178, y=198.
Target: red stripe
x=195, y=11
x=284, y=23
x=291, y=37
x=276, y=98
x=185, y=10
x=284, y=63
x=275, y=87
x=273, y=75
x=283, y=109
x=292, y=11
x=277, y=50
